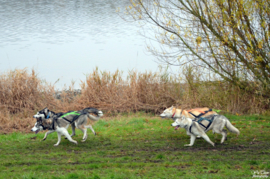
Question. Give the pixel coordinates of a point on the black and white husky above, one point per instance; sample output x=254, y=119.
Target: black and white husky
x=195, y=128
x=59, y=122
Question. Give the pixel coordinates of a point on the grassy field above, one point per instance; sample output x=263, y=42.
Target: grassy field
x=138, y=146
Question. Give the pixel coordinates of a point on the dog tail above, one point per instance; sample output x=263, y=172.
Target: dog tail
x=93, y=118
x=231, y=128
x=92, y=110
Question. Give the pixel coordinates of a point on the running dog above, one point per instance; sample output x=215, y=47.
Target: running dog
x=59, y=122
x=175, y=113
x=194, y=128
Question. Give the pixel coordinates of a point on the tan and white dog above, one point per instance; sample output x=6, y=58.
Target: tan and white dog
x=175, y=113
x=194, y=128
x=194, y=114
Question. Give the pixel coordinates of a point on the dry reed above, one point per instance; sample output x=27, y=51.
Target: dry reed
x=22, y=94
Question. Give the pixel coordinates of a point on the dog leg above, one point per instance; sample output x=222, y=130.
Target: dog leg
x=90, y=127
x=224, y=136
x=192, y=140
x=65, y=133
x=73, y=130
x=59, y=139
x=47, y=133
x=84, y=130
x=208, y=140
x=84, y=135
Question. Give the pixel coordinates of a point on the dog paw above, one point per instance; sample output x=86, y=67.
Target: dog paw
x=55, y=145
x=44, y=139
x=82, y=140
x=187, y=145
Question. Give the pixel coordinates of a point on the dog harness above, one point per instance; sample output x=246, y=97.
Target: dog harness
x=71, y=113
x=200, y=122
x=200, y=114
x=190, y=127
x=55, y=120
x=210, y=120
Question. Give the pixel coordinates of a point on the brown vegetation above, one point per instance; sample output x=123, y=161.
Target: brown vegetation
x=22, y=94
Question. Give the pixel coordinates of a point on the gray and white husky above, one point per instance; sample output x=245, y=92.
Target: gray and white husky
x=194, y=128
x=59, y=122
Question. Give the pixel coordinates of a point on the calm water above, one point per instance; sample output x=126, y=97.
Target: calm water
x=67, y=39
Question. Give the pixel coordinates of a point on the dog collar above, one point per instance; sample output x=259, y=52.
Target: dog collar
x=48, y=115
x=173, y=114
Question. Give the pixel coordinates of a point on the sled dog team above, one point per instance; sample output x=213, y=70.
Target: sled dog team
x=59, y=122
x=196, y=122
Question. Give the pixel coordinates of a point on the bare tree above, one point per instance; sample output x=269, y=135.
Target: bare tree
x=228, y=37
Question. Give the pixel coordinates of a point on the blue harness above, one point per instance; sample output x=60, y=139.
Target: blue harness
x=202, y=118
x=210, y=120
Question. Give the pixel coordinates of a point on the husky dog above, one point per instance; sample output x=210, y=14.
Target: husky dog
x=194, y=128
x=195, y=113
x=59, y=122
x=46, y=113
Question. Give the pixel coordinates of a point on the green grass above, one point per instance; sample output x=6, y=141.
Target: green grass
x=138, y=146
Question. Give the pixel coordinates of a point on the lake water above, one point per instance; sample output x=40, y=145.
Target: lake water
x=68, y=39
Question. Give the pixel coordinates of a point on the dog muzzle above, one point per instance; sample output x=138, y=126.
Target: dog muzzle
x=176, y=126
x=37, y=129
x=162, y=115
